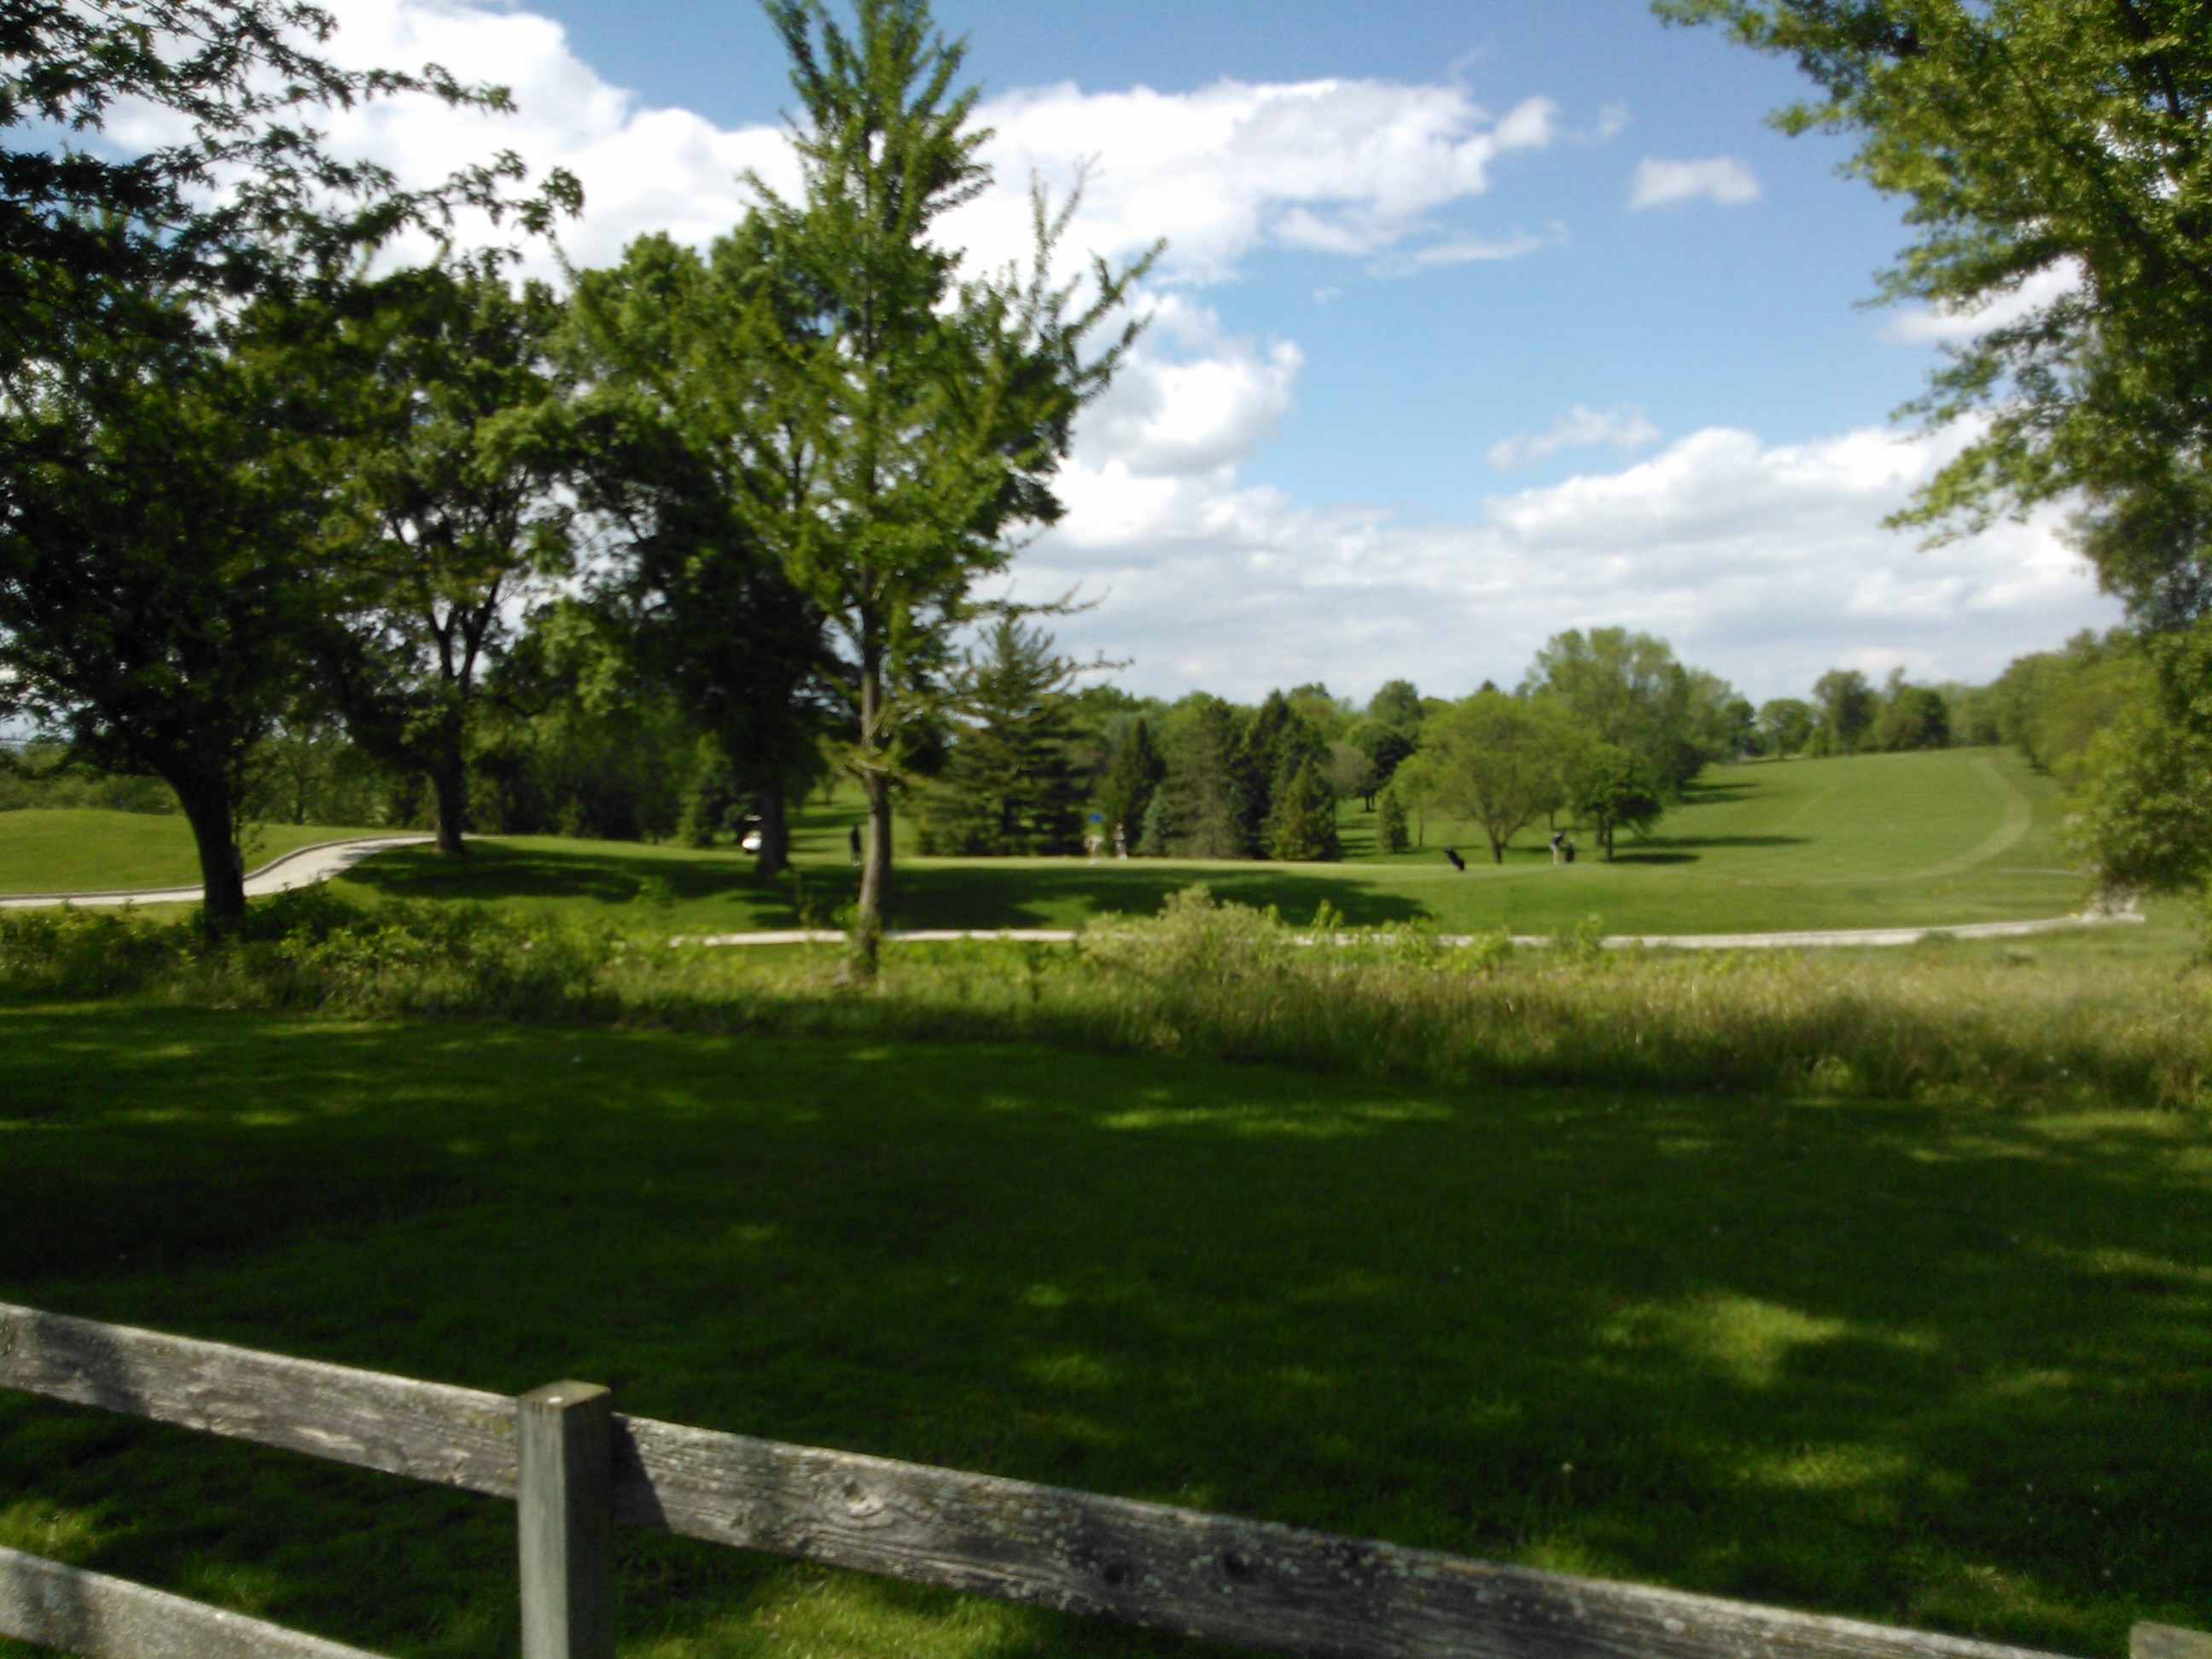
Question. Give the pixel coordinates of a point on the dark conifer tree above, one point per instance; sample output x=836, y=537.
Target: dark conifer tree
x=1008, y=787
x=1132, y=775
x=1301, y=827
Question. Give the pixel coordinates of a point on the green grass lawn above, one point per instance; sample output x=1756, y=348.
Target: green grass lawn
x=67, y=850
x=1880, y=840
x=1951, y=1367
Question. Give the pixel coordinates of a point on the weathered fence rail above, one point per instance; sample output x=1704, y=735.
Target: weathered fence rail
x=574, y=1465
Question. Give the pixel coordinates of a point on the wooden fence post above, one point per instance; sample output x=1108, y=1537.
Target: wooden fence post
x=564, y=1445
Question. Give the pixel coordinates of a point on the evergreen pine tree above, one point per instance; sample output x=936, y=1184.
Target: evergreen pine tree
x=1278, y=742
x=1301, y=827
x=1008, y=788
x=1205, y=799
x=1125, y=795
x=1390, y=831
x=1152, y=839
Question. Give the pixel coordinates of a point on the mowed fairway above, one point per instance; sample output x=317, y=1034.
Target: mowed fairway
x=76, y=850
x=1873, y=841
x=1946, y=1366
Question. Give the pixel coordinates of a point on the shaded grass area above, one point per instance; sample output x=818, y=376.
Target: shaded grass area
x=1950, y=1367
x=1950, y=837
x=81, y=849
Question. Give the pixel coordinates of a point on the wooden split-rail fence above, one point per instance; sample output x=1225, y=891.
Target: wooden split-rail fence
x=576, y=1467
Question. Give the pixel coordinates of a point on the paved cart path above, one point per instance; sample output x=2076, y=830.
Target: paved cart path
x=1811, y=938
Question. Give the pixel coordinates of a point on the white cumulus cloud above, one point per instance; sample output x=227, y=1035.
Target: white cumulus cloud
x=1767, y=564
x=1353, y=167
x=1925, y=323
x=1723, y=179
x=1581, y=428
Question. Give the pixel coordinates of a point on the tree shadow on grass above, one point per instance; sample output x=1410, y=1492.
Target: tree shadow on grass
x=492, y=873
x=1943, y=1367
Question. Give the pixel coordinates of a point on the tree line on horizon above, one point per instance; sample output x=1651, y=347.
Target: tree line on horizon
x=1604, y=731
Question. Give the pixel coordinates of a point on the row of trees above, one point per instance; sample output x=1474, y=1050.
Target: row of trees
x=1606, y=727
x=251, y=495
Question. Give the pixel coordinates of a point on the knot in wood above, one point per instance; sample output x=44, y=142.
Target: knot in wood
x=861, y=1503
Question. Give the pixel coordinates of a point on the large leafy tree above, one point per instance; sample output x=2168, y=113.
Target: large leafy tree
x=158, y=597
x=920, y=413
x=1848, y=707
x=453, y=517
x=1627, y=689
x=687, y=444
x=161, y=475
x=1492, y=759
x=1613, y=790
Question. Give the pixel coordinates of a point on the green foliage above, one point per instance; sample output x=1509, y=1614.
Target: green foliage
x=1627, y=689
x=1848, y=707
x=907, y=419
x=453, y=518
x=41, y=775
x=1613, y=790
x=2052, y=705
x=1302, y=823
x=1278, y=742
x=1008, y=787
x=2146, y=768
x=1912, y=717
x=161, y=590
x=668, y=443
x=1396, y=704
x=162, y=444
x=1132, y=776
x=1493, y=759
x=1391, y=833
x=1386, y=748
x=1203, y=805
x=1785, y=726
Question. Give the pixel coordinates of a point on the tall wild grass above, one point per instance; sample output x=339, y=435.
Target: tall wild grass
x=1203, y=978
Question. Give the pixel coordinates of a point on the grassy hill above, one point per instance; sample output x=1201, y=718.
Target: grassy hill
x=1947, y=837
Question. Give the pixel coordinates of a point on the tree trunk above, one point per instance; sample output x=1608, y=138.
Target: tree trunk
x=1497, y=849
x=449, y=778
x=775, y=832
x=875, y=868
x=206, y=802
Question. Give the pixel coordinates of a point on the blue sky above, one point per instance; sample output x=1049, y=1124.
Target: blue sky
x=1698, y=314
x=1480, y=321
